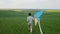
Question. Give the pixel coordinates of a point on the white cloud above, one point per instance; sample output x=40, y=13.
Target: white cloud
x=29, y=4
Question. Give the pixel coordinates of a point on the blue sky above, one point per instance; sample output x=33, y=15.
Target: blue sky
x=29, y=4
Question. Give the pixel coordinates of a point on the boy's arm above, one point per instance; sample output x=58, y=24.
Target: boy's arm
x=27, y=19
x=33, y=19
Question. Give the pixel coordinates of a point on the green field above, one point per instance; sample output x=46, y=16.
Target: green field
x=13, y=22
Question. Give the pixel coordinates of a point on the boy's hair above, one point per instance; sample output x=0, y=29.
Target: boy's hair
x=29, y=14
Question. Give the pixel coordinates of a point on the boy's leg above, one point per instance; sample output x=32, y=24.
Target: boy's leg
x=31, y=28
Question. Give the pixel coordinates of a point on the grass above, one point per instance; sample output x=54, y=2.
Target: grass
x=12, y=22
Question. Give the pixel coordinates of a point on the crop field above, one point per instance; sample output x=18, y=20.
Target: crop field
x=14, y=22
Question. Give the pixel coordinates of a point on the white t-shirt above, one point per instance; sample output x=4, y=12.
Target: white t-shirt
x=30, y=19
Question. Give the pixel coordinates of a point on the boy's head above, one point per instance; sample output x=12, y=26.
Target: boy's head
x=29, y=14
